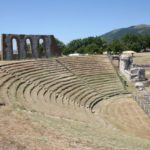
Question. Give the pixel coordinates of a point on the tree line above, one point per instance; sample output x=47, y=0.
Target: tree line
x=96, y=45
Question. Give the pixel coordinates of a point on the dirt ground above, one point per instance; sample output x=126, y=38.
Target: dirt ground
x=142, y=58
x=118, y=124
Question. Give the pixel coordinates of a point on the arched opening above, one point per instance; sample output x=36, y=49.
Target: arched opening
x=15, y=48
x=28, y=48
x=41, y=48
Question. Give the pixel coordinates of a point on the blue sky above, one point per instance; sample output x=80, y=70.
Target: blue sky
x=71, y=19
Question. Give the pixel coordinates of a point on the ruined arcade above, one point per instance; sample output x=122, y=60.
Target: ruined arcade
x=49, y=46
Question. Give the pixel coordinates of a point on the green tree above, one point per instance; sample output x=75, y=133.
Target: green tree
x=41, y=49
x=61, y=45
x=146, y=41
x=116, y=47
x=132, y=42
x=87, y=45
x=92, y=49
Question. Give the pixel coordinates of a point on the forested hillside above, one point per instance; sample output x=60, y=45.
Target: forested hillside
x=118, y=33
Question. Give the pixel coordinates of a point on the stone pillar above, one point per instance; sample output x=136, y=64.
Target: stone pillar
x=22, y=49
x=48, y=46
x=35, y=53
x=55, y=51
x=125, y=63
x=8, y=48
x=125, y=66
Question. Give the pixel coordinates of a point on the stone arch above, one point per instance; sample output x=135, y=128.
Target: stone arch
x=15, y=47
x=42, y=47
x=49, y=46
x=28, y=47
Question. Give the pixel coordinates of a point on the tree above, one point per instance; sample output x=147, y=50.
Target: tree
x=87, y=45
x=60, y=45
x=116, y=47
x=132, y=42
x=92, y=49
x=146, y=41
x=41, y=49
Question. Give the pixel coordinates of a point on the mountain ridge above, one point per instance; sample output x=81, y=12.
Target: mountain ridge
x=120, y=32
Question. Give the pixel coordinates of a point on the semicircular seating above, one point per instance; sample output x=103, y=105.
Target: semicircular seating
x=65, y=81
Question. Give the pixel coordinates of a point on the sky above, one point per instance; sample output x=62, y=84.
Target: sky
x=71, y=19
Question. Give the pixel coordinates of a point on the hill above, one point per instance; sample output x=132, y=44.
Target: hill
x=118, y=33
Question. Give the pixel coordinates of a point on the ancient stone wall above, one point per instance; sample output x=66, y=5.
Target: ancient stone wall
x=49, y=44
x=144, y=101
x=131, y=71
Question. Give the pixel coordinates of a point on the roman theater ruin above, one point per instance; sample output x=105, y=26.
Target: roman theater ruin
x=23, y=52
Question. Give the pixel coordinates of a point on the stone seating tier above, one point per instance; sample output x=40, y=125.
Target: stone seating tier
x=46, y=82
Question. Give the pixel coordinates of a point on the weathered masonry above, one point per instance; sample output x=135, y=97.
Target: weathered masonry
x=28, y=46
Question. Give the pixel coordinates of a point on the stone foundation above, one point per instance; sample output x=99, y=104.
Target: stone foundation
x=131, y=71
